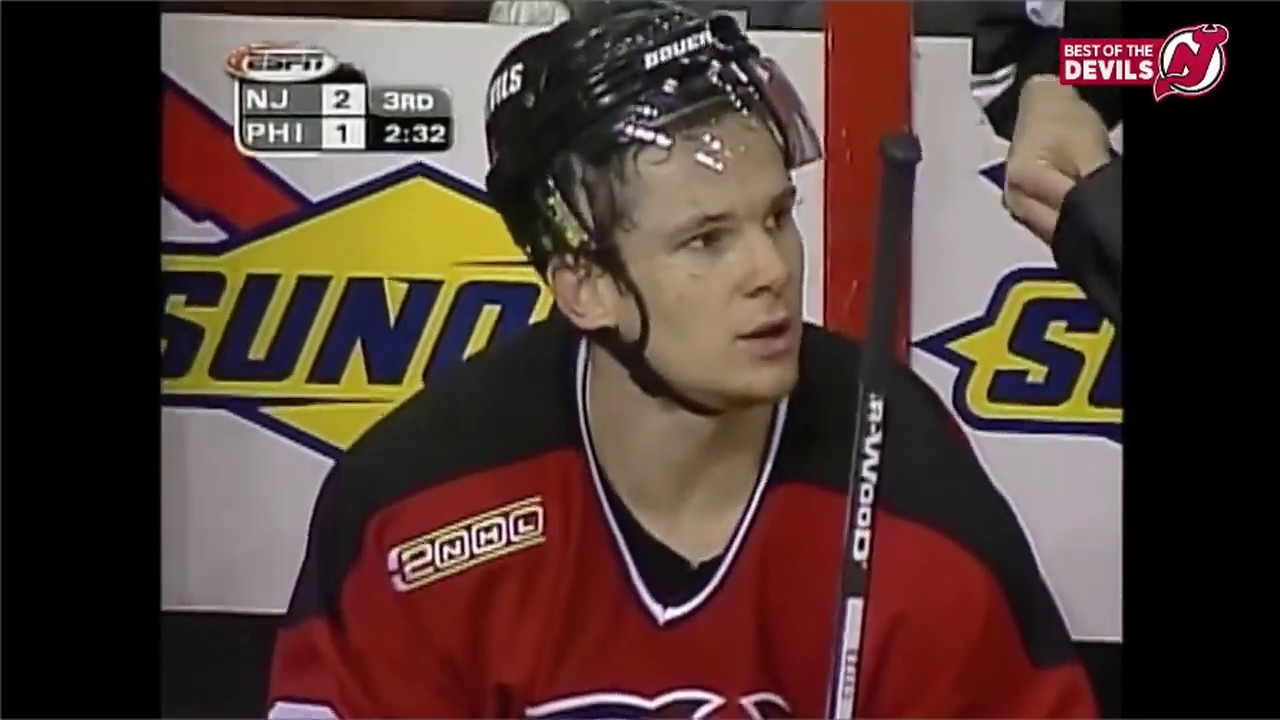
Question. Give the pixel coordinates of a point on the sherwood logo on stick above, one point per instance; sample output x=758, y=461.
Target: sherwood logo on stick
x=868, y=477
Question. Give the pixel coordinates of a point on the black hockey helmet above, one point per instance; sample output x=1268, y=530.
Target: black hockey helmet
x=567, y=99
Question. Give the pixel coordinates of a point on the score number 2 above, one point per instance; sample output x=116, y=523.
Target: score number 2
x=343, y=100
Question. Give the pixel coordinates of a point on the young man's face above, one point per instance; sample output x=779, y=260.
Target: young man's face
x=710, y=241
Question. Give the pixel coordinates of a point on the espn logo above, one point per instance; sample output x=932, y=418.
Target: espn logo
x=466, y=544
x=280, y=63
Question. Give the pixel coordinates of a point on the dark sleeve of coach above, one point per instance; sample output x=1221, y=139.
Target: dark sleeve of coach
x=1087, y=240
x=1063, y=178
x=1063, y=184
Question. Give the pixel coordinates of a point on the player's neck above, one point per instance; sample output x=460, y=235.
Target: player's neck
x=673, y=468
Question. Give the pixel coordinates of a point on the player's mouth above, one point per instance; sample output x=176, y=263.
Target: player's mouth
x=770, y=339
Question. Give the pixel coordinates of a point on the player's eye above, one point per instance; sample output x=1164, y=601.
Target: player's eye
x=782, y=217
x=706, y=240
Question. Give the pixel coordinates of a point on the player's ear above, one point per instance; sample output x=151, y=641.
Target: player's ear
x=583, y=292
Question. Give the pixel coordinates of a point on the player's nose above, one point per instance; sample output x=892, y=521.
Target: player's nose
x=768, y=268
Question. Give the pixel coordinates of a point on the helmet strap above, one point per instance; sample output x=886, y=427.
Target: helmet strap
x=630, y=355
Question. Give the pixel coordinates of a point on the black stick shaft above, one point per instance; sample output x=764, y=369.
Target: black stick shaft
x=899, y=156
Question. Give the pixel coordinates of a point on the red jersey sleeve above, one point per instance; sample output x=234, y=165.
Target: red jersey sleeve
x=349, y=646
x=970, y=626
x=961, y=652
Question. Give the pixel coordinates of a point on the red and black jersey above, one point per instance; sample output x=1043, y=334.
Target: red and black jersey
x=468, y=559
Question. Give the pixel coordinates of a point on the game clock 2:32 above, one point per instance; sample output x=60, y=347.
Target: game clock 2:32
x=411, y=134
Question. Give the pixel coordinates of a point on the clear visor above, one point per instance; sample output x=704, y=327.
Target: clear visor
x=689, y=106
x=795, y=126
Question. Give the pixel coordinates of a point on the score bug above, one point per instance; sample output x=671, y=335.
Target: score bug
x=301, y=100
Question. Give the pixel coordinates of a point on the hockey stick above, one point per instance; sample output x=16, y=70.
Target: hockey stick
x=899, y=156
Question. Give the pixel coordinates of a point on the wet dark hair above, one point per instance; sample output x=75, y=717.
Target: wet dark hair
x=604, y=182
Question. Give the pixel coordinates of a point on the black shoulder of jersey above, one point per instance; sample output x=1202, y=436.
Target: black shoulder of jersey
x=512, y=401
x=931, y=475
x=509, y=402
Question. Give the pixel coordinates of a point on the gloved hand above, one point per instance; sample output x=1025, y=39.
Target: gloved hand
x=1057, y=139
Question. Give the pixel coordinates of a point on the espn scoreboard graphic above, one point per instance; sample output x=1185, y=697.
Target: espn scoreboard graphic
x=292, y=99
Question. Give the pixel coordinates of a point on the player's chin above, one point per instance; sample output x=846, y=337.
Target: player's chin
x=767, y=381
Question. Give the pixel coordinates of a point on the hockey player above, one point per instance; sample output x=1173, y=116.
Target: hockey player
x=635, y=508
